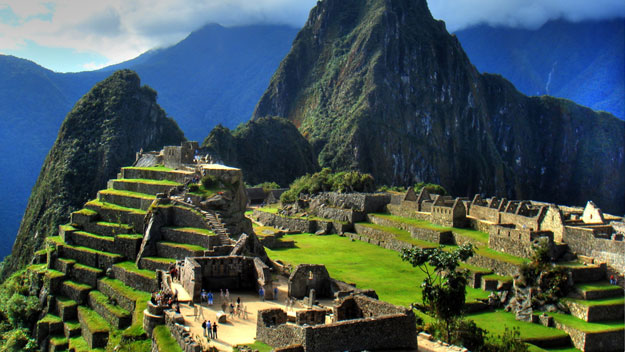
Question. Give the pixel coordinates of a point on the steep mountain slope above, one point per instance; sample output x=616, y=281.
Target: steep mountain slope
x=216, y=75
x=103, y=132
x=380, y=86
x=584, y=62
x=266, y=149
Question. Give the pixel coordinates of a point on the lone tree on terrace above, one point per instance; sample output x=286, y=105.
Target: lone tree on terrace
x=444, y=286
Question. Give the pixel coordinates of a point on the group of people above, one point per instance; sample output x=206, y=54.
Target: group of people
x=173, y=272
x=210, y=329
x=165, y=298
x=239, y=310
x=613, y=280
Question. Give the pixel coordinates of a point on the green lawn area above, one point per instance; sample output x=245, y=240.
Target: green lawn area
x=193, y=230
x=401, y=235
x=164, y=340
x=598, y=302
x=111, y=206
x=189, y=247
x=271, y=208
x=256, y=346
x=473, y=234
x=597, y=286
x=367, y=265
x=128, y=194
x=149, y=181
x=579, y=324
x=495, y=322
x=132, y=267
x=150, y=168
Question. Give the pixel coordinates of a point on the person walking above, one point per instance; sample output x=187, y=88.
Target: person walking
x=204, y=329
x=210, y=298
x=261, y=294
x=227, y=295
x=208, y=330
x=275, y=293
x=215, y=330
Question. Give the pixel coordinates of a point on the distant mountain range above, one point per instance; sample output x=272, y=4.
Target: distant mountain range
x=217, y=75
x=214, y=76
x=583, y=62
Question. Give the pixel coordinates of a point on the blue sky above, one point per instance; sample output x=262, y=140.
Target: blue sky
x=78, y=35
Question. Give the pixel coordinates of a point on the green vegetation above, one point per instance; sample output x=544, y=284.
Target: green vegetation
x=496, y=322
x=597, y=286
x=161, y=260
x=164, y=340
x=193, y=230
x=189, y=247
x=444, y=286
x=150, y=168
x=267, y=186
x=95, y=236
x=149, y=181
x=326, y=181
x=51, y=273
x=497, y=277
x=50, y=318
x=93, y=320
x=473, y=234
x=581, y=325
x=140, y=297
x=598, y=302
x=77, y=285
x=104, y=300
x=65, y=302
x=401, y=235
x=125, y=227
x=87, y=212
x=58, y=340
x=130, y=237
x=111, y=206
x=256, y=346
x=132, y=267
x=270, y=208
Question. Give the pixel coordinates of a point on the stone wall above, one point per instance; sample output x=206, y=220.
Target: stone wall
x=271, y=328
x=583, y=241
x=595, y=313
x=442, y=237
x=176, y=176
x=484, y=213
x=135, y=280
x=310, y=276
x=175, y=324
x=515, y=242
x=281, y=222
x=339, y=214
x=310, y=317
x=362, y=202
x=139, y=187
x=594, y=342
x=378, y=238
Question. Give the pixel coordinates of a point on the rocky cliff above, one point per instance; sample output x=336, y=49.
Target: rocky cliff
x=103, y=131
x=266, y=149
x=380, y=86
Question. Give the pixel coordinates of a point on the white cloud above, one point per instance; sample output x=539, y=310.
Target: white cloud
x=459, y=14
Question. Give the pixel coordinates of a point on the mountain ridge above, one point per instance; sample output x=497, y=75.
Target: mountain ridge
x=380, y=86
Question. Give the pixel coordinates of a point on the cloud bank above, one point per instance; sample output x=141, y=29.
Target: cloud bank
x=460, y=14
x=122, y=29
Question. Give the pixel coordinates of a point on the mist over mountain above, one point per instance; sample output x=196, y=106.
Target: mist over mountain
x=215, y=76
x=583, y=62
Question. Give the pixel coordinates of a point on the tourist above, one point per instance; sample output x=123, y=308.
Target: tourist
x=215, y=330
x=203, y=296
x=275, y=293
x=153, y=298
x=238, y=300
x=261, y=294
x=231, y=310
x=210, y=298
x=221, y=293
x=227, y=295
x=244, y=311
x=612, y=280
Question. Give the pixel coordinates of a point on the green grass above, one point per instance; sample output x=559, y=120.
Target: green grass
x=272, y=208
x=571, y=264
x=54, y=240
x=189, y=247
x=581, y=325
x=95, y=236
x=128, y=194
x=256, y=346
x=161, y=260
x=58, y=340
x=401, y=235
x=72, y=325
x=597, y=286
x=67, y=261
x=149, y=168
x=367, y=265
x=130, y=237
x=54, y=274
x=79, y=344
x=104, y=300
x=132, y=267
x=140, y=297
x=37, y=268
x=50, y=318
x=497, y=277
x=91, y=250
x=111, y=206
x=68, y=227
x=164, y=340
x=479, y=236
x=93, y=320
x=495, y=322
x=193, y=230
x=149, y=181
x=77, y=285
x=598, y=302
x=114, y=224
x=65, y=302
x=86, y=211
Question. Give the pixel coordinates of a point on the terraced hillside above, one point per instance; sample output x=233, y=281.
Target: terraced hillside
x=97, y=272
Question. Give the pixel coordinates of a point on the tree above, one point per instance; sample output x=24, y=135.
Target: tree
x=444, y=288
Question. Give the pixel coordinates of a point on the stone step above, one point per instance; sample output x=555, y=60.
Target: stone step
x=116, y=316
x=75, y=291
x=178, y=250
x=199, y=237
x=607, y=309
x=64, y=265
x=85, y=274
x=494, y=282
x=66, y=308
x=83, y=216
x=58, y=343
x=597, y=290
x=126, y=198
x=143, y=186
x=112, y=229
x=53, y=279
x=128, y=245
x=72, y=328
x=94, y=328
x=125, y=296
x=592, y=337
x=139, y=279
x=583, y=273
x=88, y=256
x=155, y=173
x=420, y=233
x=48, y=325
x=152, y=263
x=117, y=214
x=91, y=240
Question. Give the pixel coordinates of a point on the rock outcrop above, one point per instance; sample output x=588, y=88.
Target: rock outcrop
x=104, y=130
x=382, y=87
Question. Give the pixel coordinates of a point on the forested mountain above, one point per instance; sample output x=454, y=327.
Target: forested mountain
x=382, y=87
x=584, y=62
x=215, y=76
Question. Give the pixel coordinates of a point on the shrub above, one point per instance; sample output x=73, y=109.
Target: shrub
x=210, y=181
x=431, y=187
x=194, y=188
x=268, y=186
x=327, y=181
